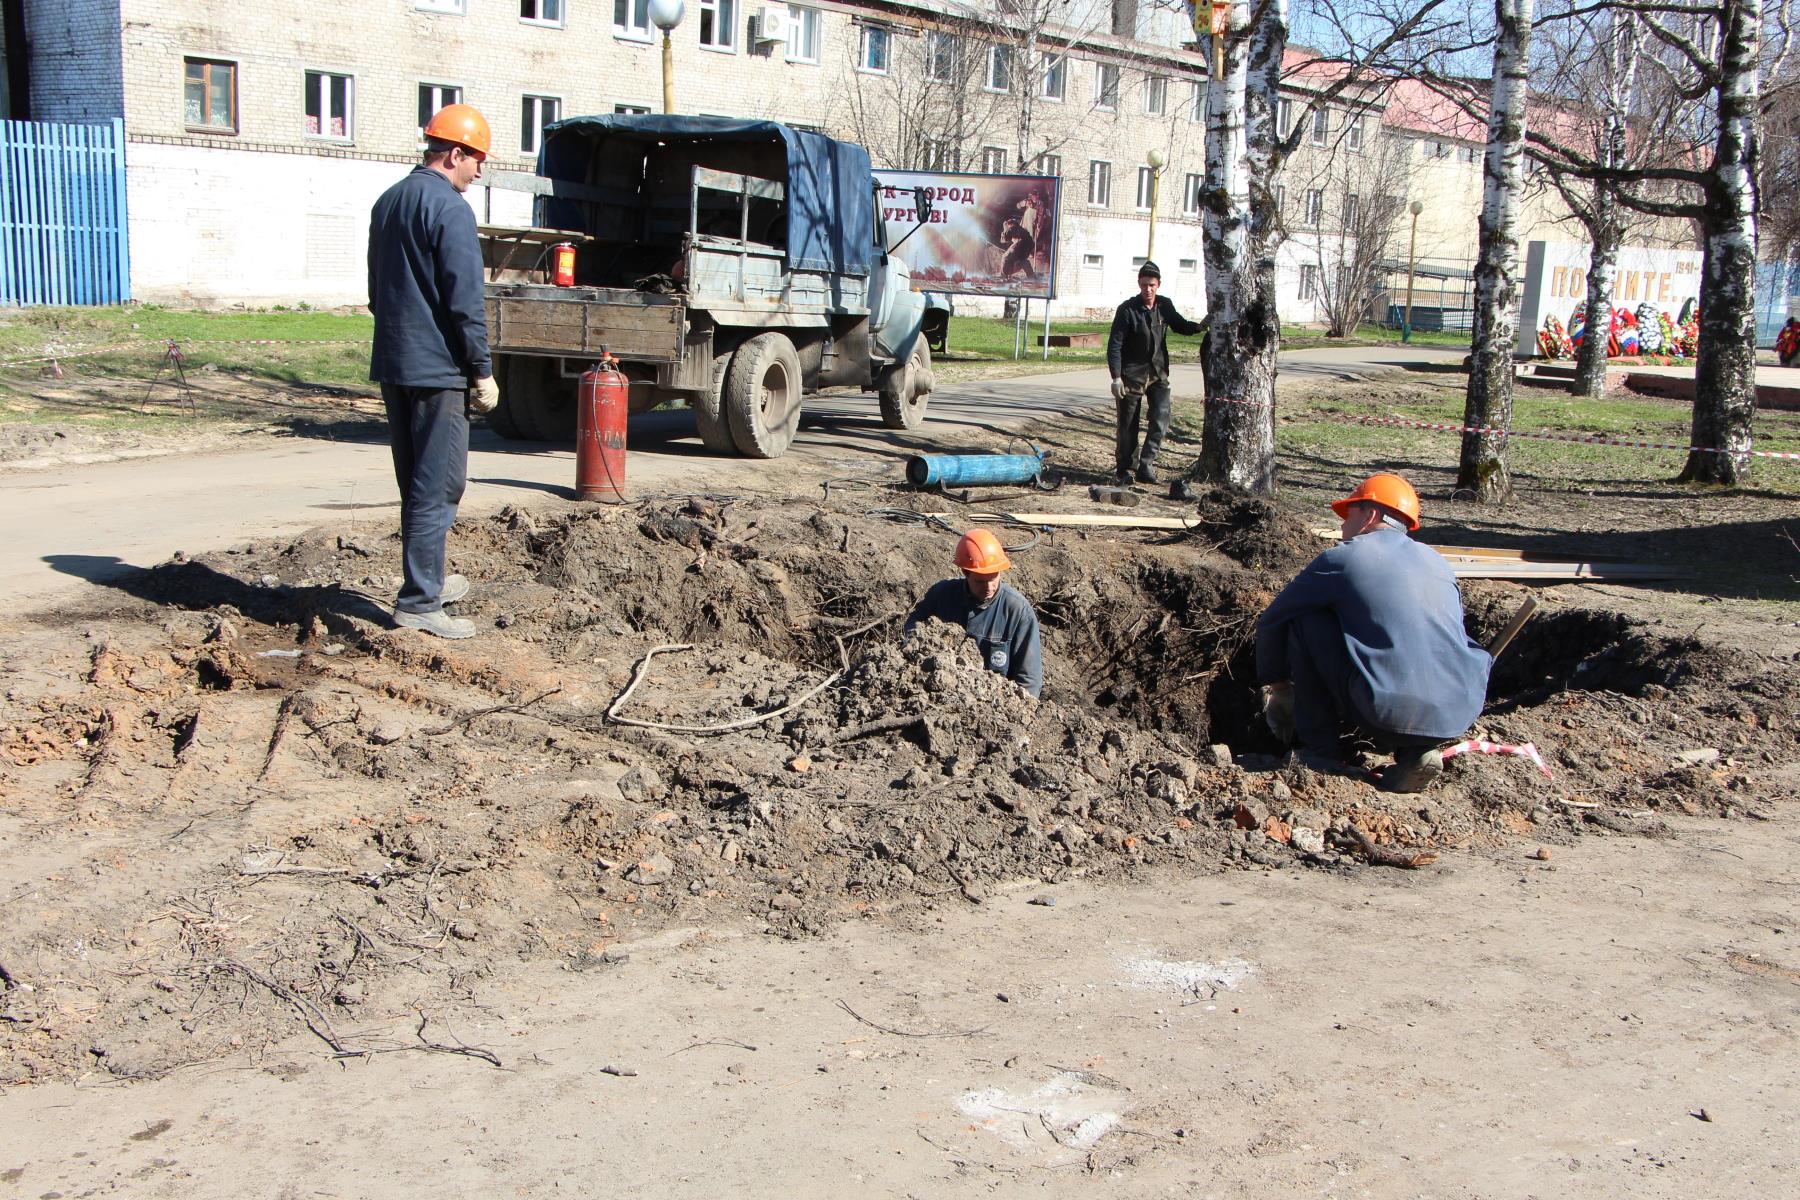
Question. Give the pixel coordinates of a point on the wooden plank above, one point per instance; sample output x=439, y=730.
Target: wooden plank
x=640, y=318
x=1108, y=520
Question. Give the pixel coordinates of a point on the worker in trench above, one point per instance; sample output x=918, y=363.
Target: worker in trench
x=431, y=353
x=999, y=619
x=1367, y=645
x=1137, y=356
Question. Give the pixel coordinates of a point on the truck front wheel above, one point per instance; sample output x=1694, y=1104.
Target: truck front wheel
x=762, y=395
x=906, y=392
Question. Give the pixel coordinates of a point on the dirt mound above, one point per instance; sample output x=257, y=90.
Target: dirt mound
x=1256, y=532
x=248, y=805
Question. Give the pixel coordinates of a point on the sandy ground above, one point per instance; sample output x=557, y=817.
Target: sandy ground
x=1592, y=992
x=1614, y=1022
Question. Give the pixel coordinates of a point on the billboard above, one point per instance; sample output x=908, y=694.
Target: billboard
x=989, y=235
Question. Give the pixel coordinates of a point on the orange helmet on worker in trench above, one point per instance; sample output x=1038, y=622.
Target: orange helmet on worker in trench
x=1390, y=491
x=464, y=125
x=981, y=552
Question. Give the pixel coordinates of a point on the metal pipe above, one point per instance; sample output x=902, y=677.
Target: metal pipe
x=972, y=470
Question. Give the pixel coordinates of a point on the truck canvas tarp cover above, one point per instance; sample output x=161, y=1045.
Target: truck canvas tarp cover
x=830, y=190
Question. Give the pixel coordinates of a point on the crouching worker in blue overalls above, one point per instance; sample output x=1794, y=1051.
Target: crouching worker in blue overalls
x=997, y=617
x=1367, y=644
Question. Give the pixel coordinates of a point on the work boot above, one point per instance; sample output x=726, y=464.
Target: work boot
x=1122, y=477
x=1413, y=771
x=1146, y=473
x=439, y=624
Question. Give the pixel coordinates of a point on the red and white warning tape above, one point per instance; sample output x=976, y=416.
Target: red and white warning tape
x=1575, y=438
x=1477, y=746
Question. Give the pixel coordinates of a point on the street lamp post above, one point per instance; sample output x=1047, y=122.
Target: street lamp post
x=1412, y=258
x=1156, y=160
x=666, y=15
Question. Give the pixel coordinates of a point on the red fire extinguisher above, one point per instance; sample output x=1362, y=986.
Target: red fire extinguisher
x=563, y=255
x=601, y=406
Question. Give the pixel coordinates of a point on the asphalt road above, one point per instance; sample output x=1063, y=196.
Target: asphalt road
x=98, y=521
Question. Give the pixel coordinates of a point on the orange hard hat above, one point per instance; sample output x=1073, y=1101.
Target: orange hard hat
x=464, y=125
x=981, y=552
x=1389, y=491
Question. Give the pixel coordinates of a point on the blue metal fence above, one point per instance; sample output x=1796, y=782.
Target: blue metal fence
x=62, y=214
x=1776, y=284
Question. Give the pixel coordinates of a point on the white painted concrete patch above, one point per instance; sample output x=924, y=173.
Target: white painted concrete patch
x=1188, y=978
x=1064, y=1110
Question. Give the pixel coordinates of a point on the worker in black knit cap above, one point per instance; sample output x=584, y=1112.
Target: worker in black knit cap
x=1137, y=355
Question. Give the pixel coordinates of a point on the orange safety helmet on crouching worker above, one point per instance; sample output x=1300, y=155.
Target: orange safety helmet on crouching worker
x=981, y=552
x=464, y=125
x=1389, y=491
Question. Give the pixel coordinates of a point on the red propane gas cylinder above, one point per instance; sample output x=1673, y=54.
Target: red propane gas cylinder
x=601, y=406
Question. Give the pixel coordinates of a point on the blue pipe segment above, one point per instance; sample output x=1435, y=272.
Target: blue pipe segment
x=972, y=470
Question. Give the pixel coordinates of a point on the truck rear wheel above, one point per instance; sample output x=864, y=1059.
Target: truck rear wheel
x=762, y=395
x=536, y=402
x=709, y=416
x=906, y=392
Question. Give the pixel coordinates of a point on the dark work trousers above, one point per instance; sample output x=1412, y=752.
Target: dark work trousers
x=1126, y=456
x=430, y=436
x=1331, y=700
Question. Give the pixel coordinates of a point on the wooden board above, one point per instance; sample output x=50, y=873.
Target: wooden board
x=645, y=332
x=1109, y=520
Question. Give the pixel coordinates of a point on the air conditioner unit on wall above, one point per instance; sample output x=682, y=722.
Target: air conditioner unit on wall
x=773, y=25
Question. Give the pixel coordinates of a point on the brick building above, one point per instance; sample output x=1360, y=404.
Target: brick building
x=259, y=136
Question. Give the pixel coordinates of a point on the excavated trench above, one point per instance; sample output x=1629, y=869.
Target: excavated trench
x=361, y=810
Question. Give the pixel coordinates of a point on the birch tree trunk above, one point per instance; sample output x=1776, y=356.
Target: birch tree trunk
x=1489, y=405
x=1237, y=448
x=1603, y=272
x=1604, y=217
x=1725, y=370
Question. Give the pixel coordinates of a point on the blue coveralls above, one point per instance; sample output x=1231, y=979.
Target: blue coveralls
x=1005, y=628
x=425, y=289
x=1371, y=636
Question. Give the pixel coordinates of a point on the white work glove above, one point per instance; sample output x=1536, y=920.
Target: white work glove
x=1118, y=389
x=1278, y=711
x=484, y=397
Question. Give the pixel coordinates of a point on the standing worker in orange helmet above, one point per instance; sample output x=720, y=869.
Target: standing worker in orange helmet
x=1368, y=643
x=431, y=352
x=1000, y=620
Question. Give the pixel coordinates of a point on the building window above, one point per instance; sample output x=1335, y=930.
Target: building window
x=1092, y=262
x=1280, y=199
x=941, y=52
x=1100, y=184
x=803, y=39
x=1156, y=95
x=999, y=68
x=937, y=156
x=1189, y=266
x=1190, y=195
x=328, y=105
x=535, y=112
x=1056, y=77
x=718, y=24
x=1321, y=126
x=1440, y=149
x=1197, y=101
x=1049, y=164
x=209, y=94
x=1106, y=86
x=1284, y=118
x=872, y=54
x=433, y=96
x=541, y=12
x=1309, y=280
x=1469, y=154
x=1146, y=189
x=993, y=160
x=631, y=110
x=1352, y=210
x=1353, y=133
x=1315, y=207
x=452, y=7
x=631, y=19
